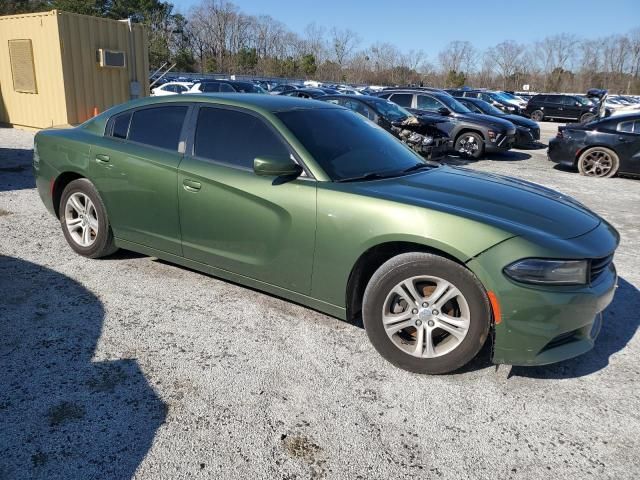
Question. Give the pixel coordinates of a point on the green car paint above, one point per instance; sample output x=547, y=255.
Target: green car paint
x=308, y=238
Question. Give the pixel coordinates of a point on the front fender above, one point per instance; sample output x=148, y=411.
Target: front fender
x=348, y=225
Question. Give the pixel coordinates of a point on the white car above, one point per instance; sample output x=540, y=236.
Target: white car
x=171, y=88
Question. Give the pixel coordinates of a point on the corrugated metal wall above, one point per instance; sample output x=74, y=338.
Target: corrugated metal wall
x=70, y=82
x=89, y=85
x=47, y=107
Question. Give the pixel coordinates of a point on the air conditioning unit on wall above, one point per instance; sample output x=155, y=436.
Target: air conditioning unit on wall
x=110, y=58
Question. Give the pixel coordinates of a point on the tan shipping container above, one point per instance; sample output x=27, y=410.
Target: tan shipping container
x=57, y=68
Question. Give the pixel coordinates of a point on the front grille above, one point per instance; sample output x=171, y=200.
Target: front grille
x=560, y=340
x=599, y=265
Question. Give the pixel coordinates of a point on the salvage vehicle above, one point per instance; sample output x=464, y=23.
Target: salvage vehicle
x=226, y=86
x=316, y=204
x=601, y=148
x=472, y=134
x=419, y=132
x=527, y=131
x=497, y=99
x=561, y=107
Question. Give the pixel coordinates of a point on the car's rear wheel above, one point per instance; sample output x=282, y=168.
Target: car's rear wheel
x=469, y=145
x=537, y=115
x=84, y=220
x=598, y=162
x=425, y=313
x=587, y=117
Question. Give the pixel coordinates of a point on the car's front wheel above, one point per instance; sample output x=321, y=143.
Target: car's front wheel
x=537, y=115
x=425, y=313
x=84, y=220
x=587, y=117
x=469, y=145
x=598, y=162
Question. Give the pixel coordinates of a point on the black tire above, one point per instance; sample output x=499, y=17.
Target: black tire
x=587, y=117
x=103, y=243
x=537, y=115
x=469, y=145
x=598, y=162
x=409, y=265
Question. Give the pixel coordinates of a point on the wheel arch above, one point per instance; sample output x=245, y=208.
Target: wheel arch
x=59, y=184
x=372, y=258
x=470, y=130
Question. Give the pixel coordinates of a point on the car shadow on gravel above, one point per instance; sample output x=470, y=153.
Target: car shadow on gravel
x=621, y=321
x=63, y=415
x=15, y=169
x=510, y=156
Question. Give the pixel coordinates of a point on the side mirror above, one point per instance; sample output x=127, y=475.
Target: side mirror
x=271, y=166
x=444, y=111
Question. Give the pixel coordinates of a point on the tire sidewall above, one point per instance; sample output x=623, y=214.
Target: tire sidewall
x=104, y=239
x=399, y=269
x=537, y=115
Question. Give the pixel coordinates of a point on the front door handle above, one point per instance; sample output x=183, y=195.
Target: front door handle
x=191, y=185
x=102, y=158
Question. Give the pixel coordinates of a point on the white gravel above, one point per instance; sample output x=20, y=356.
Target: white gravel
x=131, y=367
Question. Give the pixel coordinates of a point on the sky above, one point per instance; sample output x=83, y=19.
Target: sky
x=427, y=25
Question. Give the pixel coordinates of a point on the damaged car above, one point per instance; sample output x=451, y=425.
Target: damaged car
x=418, y=132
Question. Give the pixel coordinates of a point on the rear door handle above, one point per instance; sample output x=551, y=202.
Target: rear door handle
x=191, y=185
x=102, y=158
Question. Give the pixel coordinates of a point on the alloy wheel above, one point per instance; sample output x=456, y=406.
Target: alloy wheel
x=81, y=219
x=468, y=145
x=597, y=163
x=426, y=316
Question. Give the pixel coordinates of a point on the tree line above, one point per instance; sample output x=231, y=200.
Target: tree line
x=217, y=36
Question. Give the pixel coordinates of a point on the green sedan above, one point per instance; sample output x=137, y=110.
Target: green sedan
x=312, y=202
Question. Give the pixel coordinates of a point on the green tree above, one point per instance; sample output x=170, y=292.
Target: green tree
x=247, y=60
x=308, y=65
x=456, y=79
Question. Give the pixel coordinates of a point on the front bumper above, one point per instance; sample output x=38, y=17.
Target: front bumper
x=502, y=143
x=526, y=137
x=542, y=325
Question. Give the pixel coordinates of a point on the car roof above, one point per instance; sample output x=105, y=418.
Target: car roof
x=252, y=101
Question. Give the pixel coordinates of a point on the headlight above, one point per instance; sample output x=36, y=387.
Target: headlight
x=427, y=141
x=549, y=272
x=511, y=109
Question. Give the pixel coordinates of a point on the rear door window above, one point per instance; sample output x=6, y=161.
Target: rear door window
x=235, y=138
x=225, y=87
x=426, y=102
x=158, y=126
x=402, y=99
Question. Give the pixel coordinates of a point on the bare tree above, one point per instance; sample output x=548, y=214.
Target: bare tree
x=343, y=43
x=457, y=56
x=506, y=57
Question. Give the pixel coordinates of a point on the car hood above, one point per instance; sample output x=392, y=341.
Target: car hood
x=520, y=121
x=519, y=207
x=486, y=120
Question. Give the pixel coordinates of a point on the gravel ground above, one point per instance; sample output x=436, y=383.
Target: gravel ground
x=131, y=367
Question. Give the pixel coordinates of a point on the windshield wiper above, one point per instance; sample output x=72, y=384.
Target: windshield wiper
x=417, y=166
x=366, y=176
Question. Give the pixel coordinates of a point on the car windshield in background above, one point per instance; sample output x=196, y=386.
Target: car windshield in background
x=249, y=88
x=586, y=101
x=347, y=146
x=453, y=105
x=391, y=111
x=487, y=108
x=502, y=96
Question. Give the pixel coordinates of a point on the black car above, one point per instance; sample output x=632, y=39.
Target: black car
x=226, y=86
x=600, y=148
x=527, y=131
x=419, y=132
x=305, y=93
x=497, y=99
x=284, y=87
x=471, y=133
x=561, y=107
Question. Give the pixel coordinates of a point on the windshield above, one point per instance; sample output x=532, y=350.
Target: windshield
x=391, y=111
x=586, y=102
x=452, y=104
x=487, y=108
x=502, y=96
x=348, y=146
